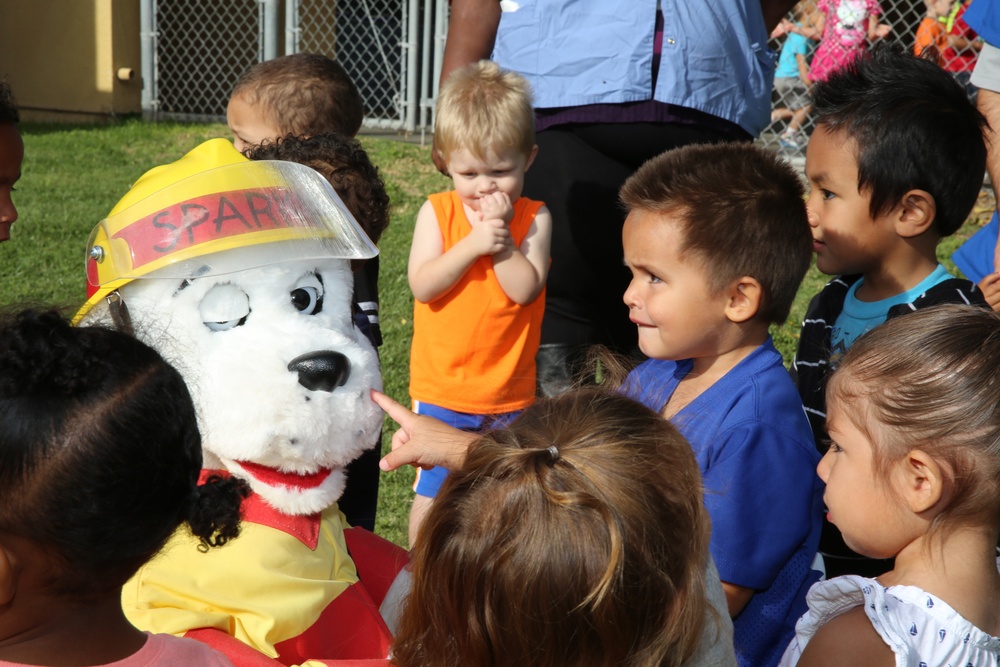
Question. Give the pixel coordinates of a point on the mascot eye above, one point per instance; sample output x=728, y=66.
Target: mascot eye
x=308, y=300
x=307, y=297
x=224, y=307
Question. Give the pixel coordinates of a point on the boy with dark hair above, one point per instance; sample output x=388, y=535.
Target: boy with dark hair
x=478, y=263
x=895, y=164
x=302, y=94
x=717, y=242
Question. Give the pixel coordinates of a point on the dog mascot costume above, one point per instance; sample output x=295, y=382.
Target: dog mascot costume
x=238, y=273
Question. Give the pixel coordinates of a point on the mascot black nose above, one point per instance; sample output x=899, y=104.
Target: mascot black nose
x=321, y=371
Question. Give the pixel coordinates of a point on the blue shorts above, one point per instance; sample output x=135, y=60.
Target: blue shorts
x=429, y=481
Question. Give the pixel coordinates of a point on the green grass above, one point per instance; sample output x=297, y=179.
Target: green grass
x=73, y=175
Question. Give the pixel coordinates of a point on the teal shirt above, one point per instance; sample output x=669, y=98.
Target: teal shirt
x=859, y=317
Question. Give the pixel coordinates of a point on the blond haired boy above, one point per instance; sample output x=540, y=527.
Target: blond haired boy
x=478, y=264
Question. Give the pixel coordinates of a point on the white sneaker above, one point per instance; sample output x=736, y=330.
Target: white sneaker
x=791, y=140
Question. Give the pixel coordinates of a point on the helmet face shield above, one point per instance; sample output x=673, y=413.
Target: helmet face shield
x=223, y=220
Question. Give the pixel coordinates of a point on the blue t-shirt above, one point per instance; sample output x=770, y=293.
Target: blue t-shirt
x=859, y=317
x=756, y=452
x=788, y=65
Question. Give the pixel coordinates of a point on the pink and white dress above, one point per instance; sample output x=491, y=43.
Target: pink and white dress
x=845, y=34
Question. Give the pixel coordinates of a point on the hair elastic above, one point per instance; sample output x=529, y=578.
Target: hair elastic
x=553, y=453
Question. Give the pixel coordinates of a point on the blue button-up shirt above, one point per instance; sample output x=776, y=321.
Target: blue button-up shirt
x=715, y=56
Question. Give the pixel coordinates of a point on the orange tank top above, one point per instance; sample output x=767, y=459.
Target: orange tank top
x=474, y=348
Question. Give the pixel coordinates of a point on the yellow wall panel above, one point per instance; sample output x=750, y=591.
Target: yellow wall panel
x=61, y=57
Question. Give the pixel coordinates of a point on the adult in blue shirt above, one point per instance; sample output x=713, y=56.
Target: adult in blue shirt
x=615, y=84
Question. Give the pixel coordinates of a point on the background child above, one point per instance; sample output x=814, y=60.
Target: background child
x=478, y=263
x=844, y=28
x=791, y=77
x=99, y=463
x=301, y=94
x=913, y=471
x=961, y=49
x=11, y=155
x=717, y=241
x=931, y=33
x=594, y=554
x=345, y=164
x=305, y=95
x=895, y=163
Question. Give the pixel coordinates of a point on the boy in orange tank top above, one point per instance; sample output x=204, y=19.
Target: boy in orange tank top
x=478, y=264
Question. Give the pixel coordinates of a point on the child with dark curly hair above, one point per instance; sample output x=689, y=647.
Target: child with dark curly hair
x=344, y=163
x=303, y=100
x=100, y=458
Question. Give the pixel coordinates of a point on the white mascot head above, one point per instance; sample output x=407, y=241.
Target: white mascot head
x=238, y=273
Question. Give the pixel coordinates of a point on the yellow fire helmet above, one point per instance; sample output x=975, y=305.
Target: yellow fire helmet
x=214, y=212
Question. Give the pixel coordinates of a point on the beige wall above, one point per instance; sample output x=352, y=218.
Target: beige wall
x=62, y=57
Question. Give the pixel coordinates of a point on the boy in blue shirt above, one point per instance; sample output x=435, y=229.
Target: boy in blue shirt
x=895, y=163
x=717, y=242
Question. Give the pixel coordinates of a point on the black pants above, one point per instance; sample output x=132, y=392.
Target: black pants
x=360, y=499
x=578, y=172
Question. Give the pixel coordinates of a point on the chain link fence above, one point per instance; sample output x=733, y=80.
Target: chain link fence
x=365, y=36
x=392, y=50
x=201, y=49
x=836, y=28
x=194, y=51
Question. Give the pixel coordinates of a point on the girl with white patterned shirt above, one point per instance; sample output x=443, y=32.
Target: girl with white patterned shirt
x=913, y=472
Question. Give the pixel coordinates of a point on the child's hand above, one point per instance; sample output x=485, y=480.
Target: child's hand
x=497, y=205
x=489, y=236
x=990, y=286
x=882, y=30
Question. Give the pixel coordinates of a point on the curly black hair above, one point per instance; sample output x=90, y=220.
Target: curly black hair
x=100, y=454
x=8, y=105
x=345, y=164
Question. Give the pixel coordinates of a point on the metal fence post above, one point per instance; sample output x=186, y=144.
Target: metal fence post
x=269, y=29
x=291, y=27
x=410, y=44
x=440, y=37
x=425, y=68
x=147, y=41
